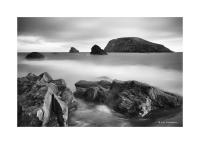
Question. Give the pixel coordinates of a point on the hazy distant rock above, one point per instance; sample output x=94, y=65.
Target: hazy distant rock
x=43, y=101
x=73, y=50
x=35, y=55
x=104, y=78
x=130, y=98
x=134, y=44
x=96, y=50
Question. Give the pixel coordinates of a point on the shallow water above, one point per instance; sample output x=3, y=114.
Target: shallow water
x=163, y=70
x=91, y=115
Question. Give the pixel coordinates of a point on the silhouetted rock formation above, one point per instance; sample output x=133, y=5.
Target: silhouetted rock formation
x=130, y=98
x=73, y=50
x=43, y=101
x=35, y=55
x=134, y=44
x=96, y=50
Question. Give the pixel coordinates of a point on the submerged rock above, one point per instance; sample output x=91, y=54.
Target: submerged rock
x=35, y=55
x=43, y=101
x=96, y=50
x=130, y=98
x=73, y=50
x=134, y=44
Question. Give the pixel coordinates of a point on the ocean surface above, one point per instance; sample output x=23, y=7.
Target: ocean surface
x=162, y=70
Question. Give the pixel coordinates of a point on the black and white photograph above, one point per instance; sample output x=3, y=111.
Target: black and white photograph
x=99, y=71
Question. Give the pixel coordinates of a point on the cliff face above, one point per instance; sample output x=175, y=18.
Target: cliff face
x=43, y=101
x=134, y=44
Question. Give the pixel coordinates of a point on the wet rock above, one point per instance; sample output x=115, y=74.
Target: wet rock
x=92, y=91
x=131, y=98
x=60, y=83
x=96, y=50
x=35, y=55
x=88, y=84
x=68, y=97
x=73, y=50
x=95, y=94
x=138, y=99
x=43, y=101
x=44, y=78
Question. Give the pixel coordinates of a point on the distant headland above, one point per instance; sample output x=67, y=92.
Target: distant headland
x=134, y=44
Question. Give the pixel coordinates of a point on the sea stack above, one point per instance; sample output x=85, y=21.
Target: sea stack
x=73, y=50
x=96, y=50
x=35, y=55
x=134, y=45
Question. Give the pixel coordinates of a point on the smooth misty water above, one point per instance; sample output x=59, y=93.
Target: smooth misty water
x=163, y=70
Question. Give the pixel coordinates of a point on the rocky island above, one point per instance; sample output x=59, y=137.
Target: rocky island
x=73, y=50
x=134, y=44
x=96, y=50
x=35, y=55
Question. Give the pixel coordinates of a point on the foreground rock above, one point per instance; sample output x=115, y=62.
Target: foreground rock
x=35, y=55
x=96, y=50
x=73, y=50
x=43, y=101
x=134, y=44
x=130, y=98
x=92, y=91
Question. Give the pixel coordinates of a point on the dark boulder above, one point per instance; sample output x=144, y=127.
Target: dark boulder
x=43, y=101
x=92, y=91
x=73, y=50
x=35, y=55
x=96, y=50
x=138, y=99
x=134, y=44
x=95, y=94
x=131, y=98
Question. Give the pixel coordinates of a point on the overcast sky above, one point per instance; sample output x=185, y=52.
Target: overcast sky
x=59, y=34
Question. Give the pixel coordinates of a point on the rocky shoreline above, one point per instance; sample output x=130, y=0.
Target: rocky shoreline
x=42, y=101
